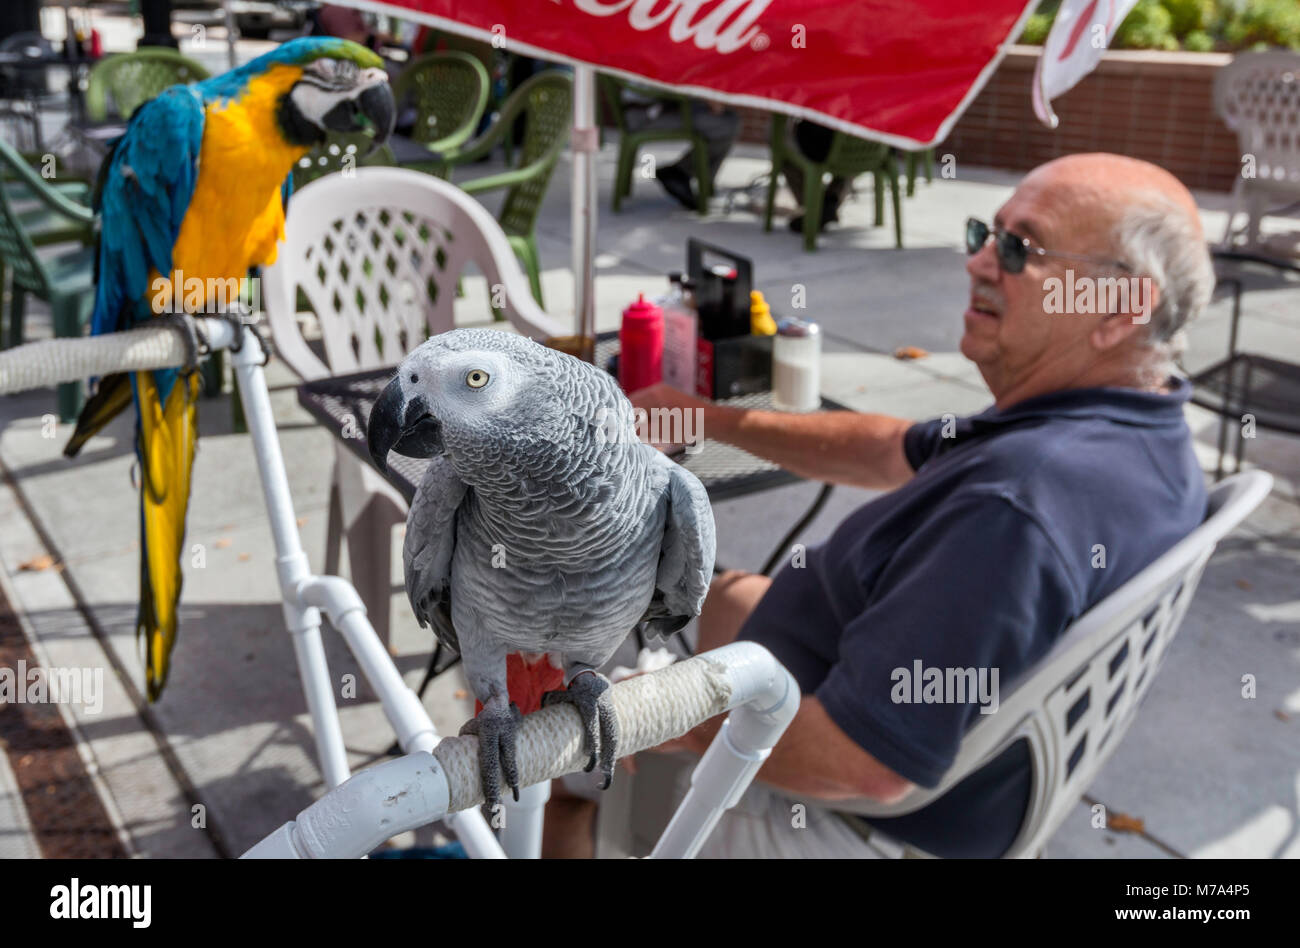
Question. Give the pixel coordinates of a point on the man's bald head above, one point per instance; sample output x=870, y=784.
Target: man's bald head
x=1093, y=208
x=1100, y=183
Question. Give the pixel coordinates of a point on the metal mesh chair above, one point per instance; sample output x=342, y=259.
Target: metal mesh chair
x=23, y=88
x=848, y=157
x=127, y=81
x=546, y=101
x=1075, y=706
x=377, y=257
x=66, y=281
x=1258, y=96
x=449, y=92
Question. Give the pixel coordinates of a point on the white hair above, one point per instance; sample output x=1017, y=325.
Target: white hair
x=1159, y=239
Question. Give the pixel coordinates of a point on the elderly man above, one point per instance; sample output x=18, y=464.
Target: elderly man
x=998, y=531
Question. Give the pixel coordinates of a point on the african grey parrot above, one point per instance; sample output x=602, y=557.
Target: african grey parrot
x=542, y=524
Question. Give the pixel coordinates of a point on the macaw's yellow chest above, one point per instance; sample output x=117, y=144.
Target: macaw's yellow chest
x=236, y=215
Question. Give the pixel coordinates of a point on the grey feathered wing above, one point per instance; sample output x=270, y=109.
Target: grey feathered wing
x=686, y=558
x=428, y=547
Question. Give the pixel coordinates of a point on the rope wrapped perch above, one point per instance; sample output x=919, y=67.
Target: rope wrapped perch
x=51, y=361
x=651, y=709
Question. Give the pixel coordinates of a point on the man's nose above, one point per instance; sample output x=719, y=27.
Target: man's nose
x=983, y=264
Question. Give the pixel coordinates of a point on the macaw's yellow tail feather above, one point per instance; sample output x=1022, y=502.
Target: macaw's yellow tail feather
x=168, y=434
x=111, y=398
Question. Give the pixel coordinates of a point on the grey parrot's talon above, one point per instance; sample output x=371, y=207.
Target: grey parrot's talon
x=495, y=730
x=589, y=693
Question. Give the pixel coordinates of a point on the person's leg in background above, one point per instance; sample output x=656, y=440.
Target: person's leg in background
x=719, y=127
x=814, y=143
x=569, y=827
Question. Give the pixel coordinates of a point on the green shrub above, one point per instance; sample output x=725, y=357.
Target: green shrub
x=1198, y=41
x=1148, y=26
x=1267, y=22
x=1036, y=29
x=1189, y=16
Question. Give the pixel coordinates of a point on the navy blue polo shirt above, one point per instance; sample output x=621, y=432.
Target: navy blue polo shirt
x=1016, y=523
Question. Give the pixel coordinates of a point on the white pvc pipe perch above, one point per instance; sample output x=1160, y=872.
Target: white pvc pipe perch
x=400, y=795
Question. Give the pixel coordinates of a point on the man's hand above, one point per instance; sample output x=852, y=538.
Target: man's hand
x=838, y=447
x=664, y=395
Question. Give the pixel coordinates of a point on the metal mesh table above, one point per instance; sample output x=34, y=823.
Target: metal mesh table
x=342, y=404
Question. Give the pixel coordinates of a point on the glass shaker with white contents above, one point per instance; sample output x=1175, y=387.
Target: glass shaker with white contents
x=796, y=365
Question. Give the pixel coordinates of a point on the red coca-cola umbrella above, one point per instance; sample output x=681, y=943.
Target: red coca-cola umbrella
x=898, y=71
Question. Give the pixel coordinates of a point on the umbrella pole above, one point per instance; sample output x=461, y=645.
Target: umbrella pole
x=583, y=206
x=232, y=33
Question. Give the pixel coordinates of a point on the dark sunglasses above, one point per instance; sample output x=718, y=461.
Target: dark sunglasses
x=1013, y=250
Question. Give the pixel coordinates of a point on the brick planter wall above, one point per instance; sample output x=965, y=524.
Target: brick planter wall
x=1155, y=106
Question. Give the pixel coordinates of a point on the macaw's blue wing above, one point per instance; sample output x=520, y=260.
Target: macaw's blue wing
x=146, y=194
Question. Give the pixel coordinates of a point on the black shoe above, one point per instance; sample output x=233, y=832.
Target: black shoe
x=678, y=184
x=830, y=213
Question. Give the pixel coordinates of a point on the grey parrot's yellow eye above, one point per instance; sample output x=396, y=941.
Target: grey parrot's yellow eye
x=476, y=378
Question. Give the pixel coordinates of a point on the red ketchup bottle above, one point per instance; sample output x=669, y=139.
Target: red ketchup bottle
x=641, y=345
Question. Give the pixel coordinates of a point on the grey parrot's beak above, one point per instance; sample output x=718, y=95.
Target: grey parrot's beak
x=403, y=426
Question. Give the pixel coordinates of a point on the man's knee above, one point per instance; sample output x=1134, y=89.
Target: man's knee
x=732, y=597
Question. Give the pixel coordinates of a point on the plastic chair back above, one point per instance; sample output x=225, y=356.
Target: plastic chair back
x=1258, y=96
x=850, y=156
x=127, y=81
x=377, y=255
x=547, y=100
x=449, y=92
x=1076, y=705
x=15, y=246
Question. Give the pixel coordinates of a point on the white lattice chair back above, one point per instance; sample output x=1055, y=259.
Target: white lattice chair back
x=1078, y=702
x=378, y=253
x=1258, y=96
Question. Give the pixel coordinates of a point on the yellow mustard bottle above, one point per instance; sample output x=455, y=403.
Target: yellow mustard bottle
x=760, y=316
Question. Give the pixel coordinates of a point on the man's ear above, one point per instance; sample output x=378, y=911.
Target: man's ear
x=1116, y=327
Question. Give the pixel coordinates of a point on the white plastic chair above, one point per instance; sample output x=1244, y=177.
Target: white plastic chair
x=378, y=253
x=1077, y=704
x=1258, y=96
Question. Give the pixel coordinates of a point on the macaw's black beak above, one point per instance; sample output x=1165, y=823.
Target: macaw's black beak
x=378, y=107
x=403, y=426
x=372, y=106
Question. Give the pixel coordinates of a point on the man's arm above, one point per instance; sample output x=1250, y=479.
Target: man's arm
x=839, y=447
x=815, y=759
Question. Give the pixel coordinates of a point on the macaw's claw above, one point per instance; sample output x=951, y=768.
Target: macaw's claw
x=495, y=728
x=590, y=694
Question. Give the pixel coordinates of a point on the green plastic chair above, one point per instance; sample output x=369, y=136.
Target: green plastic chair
x=450, y=92
x=629, y=142
x=66, y=282
x=547, y=102
x=848, y=157
x=925, y=157
x=130, y=80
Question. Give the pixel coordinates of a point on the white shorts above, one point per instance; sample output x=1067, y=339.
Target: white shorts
x=764, y=824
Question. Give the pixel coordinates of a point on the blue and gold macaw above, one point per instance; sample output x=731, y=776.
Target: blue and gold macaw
x=194, y=190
